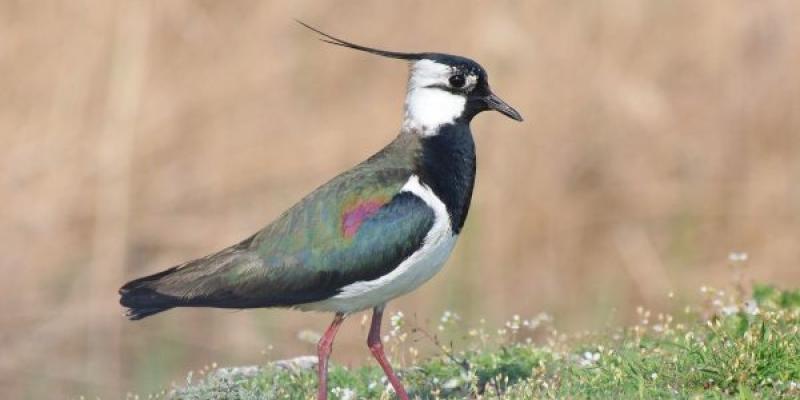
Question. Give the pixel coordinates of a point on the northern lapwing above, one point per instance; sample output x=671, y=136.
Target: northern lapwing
x=369, y=235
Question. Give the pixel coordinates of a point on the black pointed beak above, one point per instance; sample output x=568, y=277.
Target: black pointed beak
x=495, y=103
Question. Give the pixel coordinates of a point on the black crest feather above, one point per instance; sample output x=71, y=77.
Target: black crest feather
x=385, y=53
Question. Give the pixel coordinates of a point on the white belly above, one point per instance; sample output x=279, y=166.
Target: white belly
x=415, y=270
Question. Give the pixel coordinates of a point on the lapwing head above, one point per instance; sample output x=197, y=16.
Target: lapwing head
x=442, y=88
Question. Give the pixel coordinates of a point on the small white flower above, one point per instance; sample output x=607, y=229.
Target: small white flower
x=396, y=319
x=654, y=376
x=451, y=384
x=737, y=256
x=396, y=322
x=588, y=359
x=448, y=317
x=344, y=393
x=729, y=310
x=534, y=322
x=751, y=307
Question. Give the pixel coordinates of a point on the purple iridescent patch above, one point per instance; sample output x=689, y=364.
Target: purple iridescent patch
x=353, y=217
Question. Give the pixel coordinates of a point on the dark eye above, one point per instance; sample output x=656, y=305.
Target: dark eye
x=457, y=81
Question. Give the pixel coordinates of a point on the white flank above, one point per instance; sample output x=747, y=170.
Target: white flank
x=415, y=270
x=427, y=108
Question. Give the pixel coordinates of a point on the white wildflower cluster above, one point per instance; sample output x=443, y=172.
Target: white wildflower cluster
x=480, y=332
x=396, y=322
x=344, y=393
x=588, y=358
x=514, y=324
x=659, y=323
x=726, y=304
x=517, y=322
x=452, y=383
x=751, y=307
x=737, y=257
x=448, y=318
x=663, y=324
x=537, y=321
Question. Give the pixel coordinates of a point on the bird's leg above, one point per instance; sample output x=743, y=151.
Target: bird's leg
x=376, y=347
x=324, y=348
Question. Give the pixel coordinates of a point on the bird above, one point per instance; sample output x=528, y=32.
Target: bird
x=369, y=235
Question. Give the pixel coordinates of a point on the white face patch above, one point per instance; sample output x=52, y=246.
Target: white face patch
x=426, y=107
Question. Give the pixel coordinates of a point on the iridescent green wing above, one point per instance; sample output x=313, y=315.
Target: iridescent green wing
x=355, y=230
x=357, y=227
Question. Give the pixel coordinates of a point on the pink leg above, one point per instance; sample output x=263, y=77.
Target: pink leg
x=376, y=347
x=324, y=348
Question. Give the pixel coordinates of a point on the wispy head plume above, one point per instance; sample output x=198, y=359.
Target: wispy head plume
x=385, y=53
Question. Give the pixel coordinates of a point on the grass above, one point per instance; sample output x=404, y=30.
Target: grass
x=731, y=346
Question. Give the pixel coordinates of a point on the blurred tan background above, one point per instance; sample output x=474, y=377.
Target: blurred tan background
x=658, y=137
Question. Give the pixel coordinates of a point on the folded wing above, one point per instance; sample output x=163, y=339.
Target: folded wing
x=357, y=227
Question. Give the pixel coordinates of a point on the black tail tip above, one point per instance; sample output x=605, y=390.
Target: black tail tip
x=137, y=313
x=142, y=301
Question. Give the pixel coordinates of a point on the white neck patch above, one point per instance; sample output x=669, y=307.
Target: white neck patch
x=427, y=108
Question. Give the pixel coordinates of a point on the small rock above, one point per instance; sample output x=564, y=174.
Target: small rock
x=230, y=372
x=297, y=363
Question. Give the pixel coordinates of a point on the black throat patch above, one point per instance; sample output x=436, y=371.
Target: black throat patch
x=447, y=165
